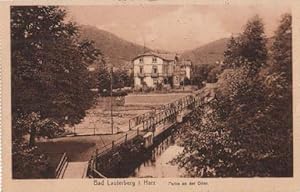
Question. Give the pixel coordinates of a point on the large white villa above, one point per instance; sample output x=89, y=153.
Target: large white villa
x=152, y=68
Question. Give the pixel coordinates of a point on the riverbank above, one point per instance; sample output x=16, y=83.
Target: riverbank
x=78, y=148
x=82, y=148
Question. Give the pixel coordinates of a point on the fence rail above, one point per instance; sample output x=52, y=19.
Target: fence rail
x=60, y=168
x=141, y=124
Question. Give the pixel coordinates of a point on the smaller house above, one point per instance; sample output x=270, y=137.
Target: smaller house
x=182, y=71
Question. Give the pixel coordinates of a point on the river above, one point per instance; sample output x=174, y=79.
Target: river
x=157, y=163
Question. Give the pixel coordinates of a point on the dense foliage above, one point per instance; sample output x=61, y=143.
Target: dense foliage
x=247, y=129
x=120, y=78
x=49, y=84
x=205, y=73
x=249, y=48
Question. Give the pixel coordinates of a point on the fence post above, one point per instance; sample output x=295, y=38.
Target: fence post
x=137, y=131
x=129, y=124
x=126, y=138
x=112, y=144
x=143, y=124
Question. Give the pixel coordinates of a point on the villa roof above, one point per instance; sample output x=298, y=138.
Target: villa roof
x=164, y=56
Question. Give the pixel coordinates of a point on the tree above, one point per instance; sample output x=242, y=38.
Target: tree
x=206, y=72
x=249, y=48
x=49, y=70
x=278, y=92
x=104, y=78
x=246, y=130
x=212, y=76
x=232, y=53
x=253, y=43
x=121, y=79
x=46, y=55
x=282, y=47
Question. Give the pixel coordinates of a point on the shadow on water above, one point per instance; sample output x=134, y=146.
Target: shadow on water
x=154, y=161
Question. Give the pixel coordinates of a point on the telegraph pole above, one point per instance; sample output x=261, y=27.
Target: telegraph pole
x=183, y=83
x=111, y=87
x=111, y=102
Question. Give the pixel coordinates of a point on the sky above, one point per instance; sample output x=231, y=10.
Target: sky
x=175, y=27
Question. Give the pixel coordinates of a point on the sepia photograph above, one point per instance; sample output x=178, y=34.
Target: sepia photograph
x=151, y=91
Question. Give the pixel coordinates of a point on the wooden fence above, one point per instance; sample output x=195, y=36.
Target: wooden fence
x=141, y=124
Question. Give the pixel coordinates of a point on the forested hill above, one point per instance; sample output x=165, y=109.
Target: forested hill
x=208, y=53
x=117, y=49
x=121, y=51
x=212, y=52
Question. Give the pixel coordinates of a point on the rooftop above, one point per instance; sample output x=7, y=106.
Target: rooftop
x=164, y=56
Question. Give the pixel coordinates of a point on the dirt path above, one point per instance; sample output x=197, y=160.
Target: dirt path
x=75, y=170
x=78, y=148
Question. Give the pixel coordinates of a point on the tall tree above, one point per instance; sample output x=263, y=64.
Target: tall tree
x=249, y=48
x=246, y=130
x=253, y=42
x=49, y=64
x=49, y=70
x=232, y=53
x=282, y=47
x=278, y=93
x=104, y=78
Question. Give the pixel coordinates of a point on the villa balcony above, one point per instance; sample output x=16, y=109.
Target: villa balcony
x=154, y=75
x=141, y=75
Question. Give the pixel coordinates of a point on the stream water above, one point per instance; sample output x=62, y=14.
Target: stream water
x=157, y=163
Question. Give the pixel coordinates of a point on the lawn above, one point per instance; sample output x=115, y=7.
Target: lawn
x=97, y=120
x=153, y=99
x=78, y=148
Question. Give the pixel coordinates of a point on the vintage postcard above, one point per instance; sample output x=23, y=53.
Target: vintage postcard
x=150, y=95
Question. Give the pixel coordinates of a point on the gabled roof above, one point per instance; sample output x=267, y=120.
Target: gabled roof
x=167, y=56
x=163, y=56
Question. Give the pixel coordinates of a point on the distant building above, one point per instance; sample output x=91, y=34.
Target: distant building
x=182, y=71
x=153, y=68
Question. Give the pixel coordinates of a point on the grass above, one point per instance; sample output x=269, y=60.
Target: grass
x=152, y=99
x=78, y=148
x=81, y=148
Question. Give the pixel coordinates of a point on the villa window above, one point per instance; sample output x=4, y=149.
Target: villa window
x=141, y=60
x=141, y=69
x=154, y=69
x=154, y=60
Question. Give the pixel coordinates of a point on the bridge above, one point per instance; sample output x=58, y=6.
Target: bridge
x=151, y=124
x=148, y=125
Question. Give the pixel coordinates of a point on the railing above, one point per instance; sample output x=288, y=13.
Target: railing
x=152, y=74
x=59, y=171
x=141, y=124
x=123, y=139
x=165, y=111
x=92, y=171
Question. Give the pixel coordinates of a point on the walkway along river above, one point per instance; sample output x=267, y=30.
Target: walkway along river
x=134, y=160
x=157, y=161
x=152, y=144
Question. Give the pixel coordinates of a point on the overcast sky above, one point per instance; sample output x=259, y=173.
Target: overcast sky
x=175, y=27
